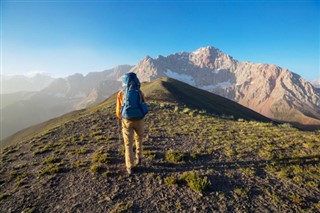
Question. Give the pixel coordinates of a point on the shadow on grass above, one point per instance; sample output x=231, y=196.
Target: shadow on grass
x=206, y=161
x=220, y=178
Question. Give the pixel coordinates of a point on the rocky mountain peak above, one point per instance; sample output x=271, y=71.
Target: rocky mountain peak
x=211, y=57
x=209, y=50
x=266, y=88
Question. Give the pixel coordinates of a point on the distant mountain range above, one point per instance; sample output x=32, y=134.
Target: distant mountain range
x=267, y=89
x=21, y=83
x=62, y=95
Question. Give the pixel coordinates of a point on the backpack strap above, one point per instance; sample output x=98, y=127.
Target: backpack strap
x=140, y=95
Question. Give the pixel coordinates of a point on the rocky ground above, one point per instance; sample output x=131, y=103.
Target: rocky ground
x=193, y=162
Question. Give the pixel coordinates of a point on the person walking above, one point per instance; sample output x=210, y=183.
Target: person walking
x=131, y=109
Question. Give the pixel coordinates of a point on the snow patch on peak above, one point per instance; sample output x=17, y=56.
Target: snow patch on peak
x=181, y=77
x=221, y=85
x=198, y=51
x=316, y=83
x=207, y=49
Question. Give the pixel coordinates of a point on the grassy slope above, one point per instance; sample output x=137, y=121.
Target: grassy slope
x=76, y=162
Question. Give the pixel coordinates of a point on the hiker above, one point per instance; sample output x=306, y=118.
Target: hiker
x=131, y=109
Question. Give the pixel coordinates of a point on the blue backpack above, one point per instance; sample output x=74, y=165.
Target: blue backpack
x=133, y=106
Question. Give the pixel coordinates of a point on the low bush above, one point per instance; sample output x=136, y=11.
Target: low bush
x=174, y=156
x=195, y=182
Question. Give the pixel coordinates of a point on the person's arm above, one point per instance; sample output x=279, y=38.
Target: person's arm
x=119, y=104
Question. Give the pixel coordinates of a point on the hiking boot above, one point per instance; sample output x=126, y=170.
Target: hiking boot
x=137, y=162
x=129, y=170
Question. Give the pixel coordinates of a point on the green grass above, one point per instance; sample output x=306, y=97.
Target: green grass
x=51, y=169
x=171, y=181
x=96, y=168
x=101, y=157
x=195, y=182
x=80, y=164
x=51, y=160
x=81, y=151
x=174, y=156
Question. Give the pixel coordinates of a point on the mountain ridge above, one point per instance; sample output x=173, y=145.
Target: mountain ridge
x=265, y=88
x=162, y=89
x=21, y=83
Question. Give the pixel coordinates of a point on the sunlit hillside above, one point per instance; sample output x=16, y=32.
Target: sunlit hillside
x=202, y=153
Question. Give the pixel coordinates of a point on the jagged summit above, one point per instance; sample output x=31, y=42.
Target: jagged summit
x=209, y=50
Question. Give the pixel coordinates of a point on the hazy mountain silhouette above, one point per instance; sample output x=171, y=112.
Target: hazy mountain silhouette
x=20, y=83
x=23, y=109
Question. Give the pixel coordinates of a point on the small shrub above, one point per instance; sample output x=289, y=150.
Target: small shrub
x=50, y=160
x=51, y=169
x=170, y=180
x=41, y=151
x=101, y=158
x=81, y=151
x=250, y=172
x=96, y=168
x=194, y=181
x=79, y=164
x=194, y=156
x=240, y=192
x=174, y=156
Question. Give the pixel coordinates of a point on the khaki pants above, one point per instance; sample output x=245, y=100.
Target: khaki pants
x=132, y=129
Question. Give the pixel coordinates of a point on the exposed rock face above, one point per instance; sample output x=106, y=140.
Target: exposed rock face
x=266, y=88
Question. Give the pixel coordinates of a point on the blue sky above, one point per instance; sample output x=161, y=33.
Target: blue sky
x=65, y=37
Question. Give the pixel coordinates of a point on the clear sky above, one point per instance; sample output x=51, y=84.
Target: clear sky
x=64, y=37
